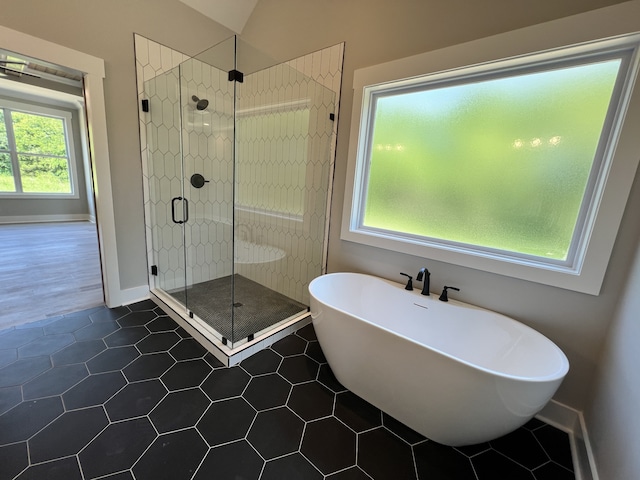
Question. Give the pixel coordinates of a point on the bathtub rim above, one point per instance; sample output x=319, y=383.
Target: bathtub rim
x=558, y=375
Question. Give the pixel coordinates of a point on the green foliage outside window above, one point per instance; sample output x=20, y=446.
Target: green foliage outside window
x=502, y=163
x=41, y=152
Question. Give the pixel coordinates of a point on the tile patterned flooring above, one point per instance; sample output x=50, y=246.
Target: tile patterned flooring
x=126, y=394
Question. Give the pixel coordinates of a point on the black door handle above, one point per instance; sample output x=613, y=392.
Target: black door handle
x=185, y=210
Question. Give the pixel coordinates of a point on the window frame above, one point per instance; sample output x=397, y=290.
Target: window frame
x=583, y=273
x=66, y=117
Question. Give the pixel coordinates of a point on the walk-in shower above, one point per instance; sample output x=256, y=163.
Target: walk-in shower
x=239, y=163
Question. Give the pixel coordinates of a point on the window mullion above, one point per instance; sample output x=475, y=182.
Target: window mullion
x=15, y=165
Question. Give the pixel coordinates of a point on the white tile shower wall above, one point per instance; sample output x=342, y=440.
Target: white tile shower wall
x=153, y=59
x=286, y=145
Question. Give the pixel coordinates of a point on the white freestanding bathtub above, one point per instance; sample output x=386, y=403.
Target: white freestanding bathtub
x=456, y=373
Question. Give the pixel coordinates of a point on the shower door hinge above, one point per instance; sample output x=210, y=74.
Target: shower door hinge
x=190, y=314
x=224, y=340
x=250, y=337
x=236, y=76
x=145, y=105
x=332, y=116
x=154, y=270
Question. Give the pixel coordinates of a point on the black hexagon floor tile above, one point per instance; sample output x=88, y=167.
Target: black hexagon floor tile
x=158, y=342
x=67, y=325
x=276, y=432
x=45, y=345
x=137, y=319
x=290, y=345
x=225, y=383
x=490, y=465
x=9, y=398
x=126, y=336
x=8, y=356
x=264, y=361
x=111, y=359
x=67, y=435
x=311, y=400
x=148, y=366
x=329, y=445
x=357, y=413
x=226, y=421
x=174, y=456
x=78, y=352
x=108, y=314
x=353, y=473
x=437, y=462
x=384, y=456
x=186, y=374
x=93, y=390
x=299, y=369
x=54, y=381
x=13, y=459
x=281, y=414
x=135, y=400
x=290, y=467
x=61, y=469
x=163, y=323
x=23, y=370
x=117, y=447
x=267, y=391
x=16, y=338
x=179, y=410
x=27, y=418
x=234, y=461
x=187, y=349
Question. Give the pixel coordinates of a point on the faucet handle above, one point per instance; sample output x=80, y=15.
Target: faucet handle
x=443, y=295
x=409, y=282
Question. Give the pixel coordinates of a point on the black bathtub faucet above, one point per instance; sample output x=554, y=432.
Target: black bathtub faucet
x=409, y=282
x=443, y=295
x=426, y=275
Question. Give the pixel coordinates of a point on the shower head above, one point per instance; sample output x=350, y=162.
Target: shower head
x=200, y=104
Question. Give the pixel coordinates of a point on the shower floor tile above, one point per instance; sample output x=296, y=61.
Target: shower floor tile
x=164, y=408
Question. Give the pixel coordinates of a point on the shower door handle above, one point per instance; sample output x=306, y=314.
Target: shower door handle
x=185, y=210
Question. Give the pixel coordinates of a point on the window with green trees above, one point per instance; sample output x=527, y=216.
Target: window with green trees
x=34, y=153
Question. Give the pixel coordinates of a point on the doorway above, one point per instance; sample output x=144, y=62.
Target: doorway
x=48, y=235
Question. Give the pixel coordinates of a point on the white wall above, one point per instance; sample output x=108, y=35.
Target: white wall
x=612, y=416
x=376, y=31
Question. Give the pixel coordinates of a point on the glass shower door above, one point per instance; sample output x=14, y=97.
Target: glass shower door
x=207, y=108
x=167, y=206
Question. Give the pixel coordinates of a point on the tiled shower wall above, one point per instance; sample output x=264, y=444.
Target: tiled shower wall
x=284, y=142
x=283, y=127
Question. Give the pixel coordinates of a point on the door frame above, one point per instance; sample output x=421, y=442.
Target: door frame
x=94, y=73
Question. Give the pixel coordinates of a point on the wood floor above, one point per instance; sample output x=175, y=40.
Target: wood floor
x=48, y=269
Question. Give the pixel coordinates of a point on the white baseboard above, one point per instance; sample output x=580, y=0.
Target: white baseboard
x=76, y=217
x=572, y=421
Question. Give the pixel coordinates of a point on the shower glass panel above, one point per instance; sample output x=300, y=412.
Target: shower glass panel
x=239, y=166
x=164, y=155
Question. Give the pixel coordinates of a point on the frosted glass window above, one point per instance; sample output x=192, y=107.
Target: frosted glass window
x=502, y=162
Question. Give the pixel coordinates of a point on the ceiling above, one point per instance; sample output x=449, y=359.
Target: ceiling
x=233, y=14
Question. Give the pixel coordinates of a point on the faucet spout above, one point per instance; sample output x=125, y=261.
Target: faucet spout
x=424, y=276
